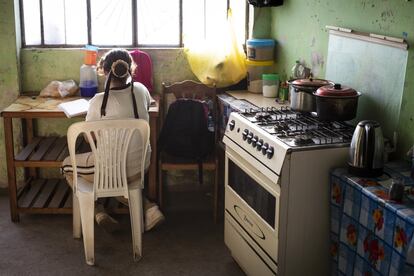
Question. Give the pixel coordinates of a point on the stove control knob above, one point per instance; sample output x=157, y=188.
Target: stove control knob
x=254, y=141
x=270, y=152
x=249, y=137
x=264, y=148
x=232, y=124
x=259, y=144
x=244, y=134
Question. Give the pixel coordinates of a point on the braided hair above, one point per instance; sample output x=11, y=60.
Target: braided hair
x=119, y=65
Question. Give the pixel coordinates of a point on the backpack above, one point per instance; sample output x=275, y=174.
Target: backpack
x=185, y=132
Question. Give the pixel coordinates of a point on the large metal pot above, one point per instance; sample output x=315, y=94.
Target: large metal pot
x=336, y=102
x=301, y=93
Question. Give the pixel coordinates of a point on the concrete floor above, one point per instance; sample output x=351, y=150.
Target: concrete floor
x=188, y=243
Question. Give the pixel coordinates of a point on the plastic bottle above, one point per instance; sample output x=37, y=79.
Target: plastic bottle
x=88, y=83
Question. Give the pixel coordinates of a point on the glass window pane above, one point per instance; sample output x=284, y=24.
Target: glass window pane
x=31, y=19
x=111, y=22
x=158, y=23
x=239, y=19
x=54, y=21
x=193, y=20
x=203, y=19
x=216, y=17
x=76, y=22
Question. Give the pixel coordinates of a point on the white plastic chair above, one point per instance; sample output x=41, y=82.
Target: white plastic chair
x=109, y=141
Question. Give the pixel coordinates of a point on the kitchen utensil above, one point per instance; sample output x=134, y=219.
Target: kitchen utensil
x=367, y=150
x=336, y=102
x=301, y=93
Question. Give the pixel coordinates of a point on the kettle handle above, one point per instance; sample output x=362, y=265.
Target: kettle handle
x=370, y=147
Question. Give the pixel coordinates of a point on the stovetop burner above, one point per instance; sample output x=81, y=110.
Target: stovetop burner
x=299, y=129
x=303, y=139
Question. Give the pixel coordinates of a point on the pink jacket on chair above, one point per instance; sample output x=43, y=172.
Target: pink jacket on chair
x=143, y=72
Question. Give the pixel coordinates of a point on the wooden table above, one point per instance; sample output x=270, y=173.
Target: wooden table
x=49, y=195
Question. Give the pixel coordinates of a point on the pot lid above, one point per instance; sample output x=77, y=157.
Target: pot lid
x=336, y=90
x=310, y=82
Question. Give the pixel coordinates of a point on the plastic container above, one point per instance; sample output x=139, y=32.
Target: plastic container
x=270, y=85
x=88, y=83
x=255, y=70
x=260, y=49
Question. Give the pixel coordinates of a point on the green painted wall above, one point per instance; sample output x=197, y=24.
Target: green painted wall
x=299, y=29
x=9, y=77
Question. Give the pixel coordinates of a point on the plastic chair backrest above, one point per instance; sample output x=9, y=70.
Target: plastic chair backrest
x=109, y=141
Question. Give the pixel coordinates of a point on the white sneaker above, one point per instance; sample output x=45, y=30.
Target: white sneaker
x=153, y=217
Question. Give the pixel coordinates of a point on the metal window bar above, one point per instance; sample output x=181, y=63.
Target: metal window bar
x=135, y=41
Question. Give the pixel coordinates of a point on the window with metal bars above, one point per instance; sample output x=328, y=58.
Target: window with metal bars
x=127, y=23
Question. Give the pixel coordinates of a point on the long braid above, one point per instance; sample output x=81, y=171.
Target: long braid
x=106, y=94
x=134, y=102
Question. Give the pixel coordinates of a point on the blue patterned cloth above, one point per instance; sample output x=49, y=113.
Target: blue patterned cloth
x=370, y=234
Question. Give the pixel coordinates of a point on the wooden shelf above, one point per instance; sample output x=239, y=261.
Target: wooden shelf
x=45, y=196
x=54, y=196
x=46, y=152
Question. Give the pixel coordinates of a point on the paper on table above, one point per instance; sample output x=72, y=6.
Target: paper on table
x=74, y=108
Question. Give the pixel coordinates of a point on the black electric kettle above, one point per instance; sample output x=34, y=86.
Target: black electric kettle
x=367, y=150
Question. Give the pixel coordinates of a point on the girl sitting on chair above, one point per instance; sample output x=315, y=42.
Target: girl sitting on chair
x=122, y=99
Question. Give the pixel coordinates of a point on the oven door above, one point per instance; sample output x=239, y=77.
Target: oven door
x=251, y=216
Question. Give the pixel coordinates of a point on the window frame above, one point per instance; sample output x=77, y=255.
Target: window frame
x=135, y=40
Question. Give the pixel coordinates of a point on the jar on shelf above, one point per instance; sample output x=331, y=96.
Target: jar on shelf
x=270, y=85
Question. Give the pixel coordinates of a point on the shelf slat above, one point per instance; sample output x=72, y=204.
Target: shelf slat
x=65, y=151
x=57, y=148
x=25, y=153
x=31, y=193
x=38, y=164
x=54, y=196
x=47, y=191
x=68, y=202
x=43, y=148
x=59, y=195
x=47, y=152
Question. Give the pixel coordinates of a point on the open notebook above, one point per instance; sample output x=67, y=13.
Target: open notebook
x=74, y=108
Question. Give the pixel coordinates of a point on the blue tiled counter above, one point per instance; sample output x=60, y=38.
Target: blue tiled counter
x=370, y=234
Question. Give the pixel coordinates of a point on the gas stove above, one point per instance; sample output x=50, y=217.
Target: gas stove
x=277, y=164
x=299, y=130
x=268, y=134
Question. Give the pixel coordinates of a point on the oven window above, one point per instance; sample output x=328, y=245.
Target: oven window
x=258, y=198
